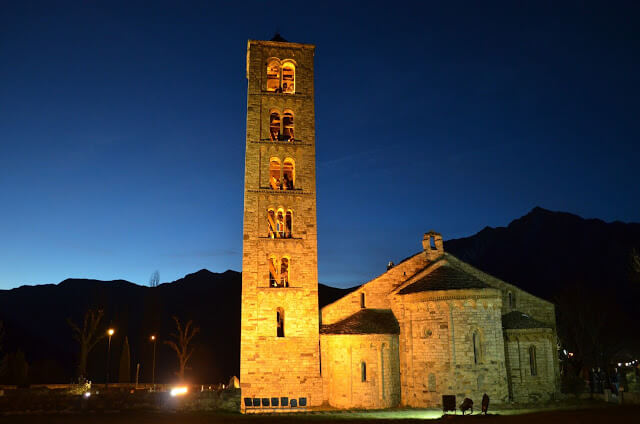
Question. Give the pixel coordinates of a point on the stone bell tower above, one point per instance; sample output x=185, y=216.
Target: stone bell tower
x=279, y=335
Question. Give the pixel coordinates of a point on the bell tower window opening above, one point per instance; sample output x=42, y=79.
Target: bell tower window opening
x=273, y=76
x=280, y=223
x=287, y=123
x=280, y=322
x=273, y=272
x=288, y=174
x=288, y=78
x=284, y=272
x=271, y=221
x=274, y=125
x=363, y=372
x=288, y=224
x=274, y=174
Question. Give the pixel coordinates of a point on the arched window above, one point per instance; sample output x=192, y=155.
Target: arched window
x=532, y=360
x=287, y=123
x=288, y=174
x=288, y=78
x=280, y=223
x=279, y=270
x=273, y=76
x=274, y=174
x=273, y=271
x=284, y=272
x=476, y=347
x=271, y=221
x=288, y=224
x=362, y=301
x=363, y=371
x=280, y=322
x=274, y=125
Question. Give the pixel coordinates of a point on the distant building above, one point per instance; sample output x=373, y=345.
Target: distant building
x=430, y=325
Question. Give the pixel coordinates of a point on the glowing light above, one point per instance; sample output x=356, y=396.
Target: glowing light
x=179, y=391
x=619, y=364
x=87, y=394
x=153, y=338
x=570, y=354
x=111, y=331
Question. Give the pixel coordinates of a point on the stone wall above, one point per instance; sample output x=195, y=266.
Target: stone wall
x=533, y=306
x=342, y=359
x=525, y=386
x=436, y=347
x=271, y=365
x=376, y=291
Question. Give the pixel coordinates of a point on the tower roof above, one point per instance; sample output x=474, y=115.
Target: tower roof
x=279, y=38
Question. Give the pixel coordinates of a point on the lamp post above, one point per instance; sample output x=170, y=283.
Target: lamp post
x=153, y=367
x=109, y=333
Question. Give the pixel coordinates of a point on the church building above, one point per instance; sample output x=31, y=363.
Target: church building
x=429, y=326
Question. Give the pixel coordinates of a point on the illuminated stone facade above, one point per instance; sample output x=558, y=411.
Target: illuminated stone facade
x=279, y=340
x=430, y=325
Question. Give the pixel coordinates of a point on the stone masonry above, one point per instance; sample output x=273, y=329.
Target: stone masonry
x=272, y=366
x=429, y=326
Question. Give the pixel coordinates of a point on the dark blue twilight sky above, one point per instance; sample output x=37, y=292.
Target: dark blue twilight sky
x=122, y=127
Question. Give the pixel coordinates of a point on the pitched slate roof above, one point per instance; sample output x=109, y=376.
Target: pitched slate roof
x=445, y=277
x=516, y=320
x=365, y=321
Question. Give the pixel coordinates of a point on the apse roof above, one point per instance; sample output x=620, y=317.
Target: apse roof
x=516, y=320
x=445, y=277
x=365, y=321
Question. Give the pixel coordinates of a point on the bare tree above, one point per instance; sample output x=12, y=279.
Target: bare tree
x=181, y=344
x=88, y=336
x=154, y=280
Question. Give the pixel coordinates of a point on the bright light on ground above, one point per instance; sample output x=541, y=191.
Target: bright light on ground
x=179, y=391
x=87, y=394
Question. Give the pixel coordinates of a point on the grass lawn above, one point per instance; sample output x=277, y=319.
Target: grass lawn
x=600, y=414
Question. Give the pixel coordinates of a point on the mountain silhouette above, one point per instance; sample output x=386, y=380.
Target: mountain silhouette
x=543, y=252
x=35, y=320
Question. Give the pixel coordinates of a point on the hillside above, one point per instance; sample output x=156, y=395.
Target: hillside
x=35, y=321
x=546, y=253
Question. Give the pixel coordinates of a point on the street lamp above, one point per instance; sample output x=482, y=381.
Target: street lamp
x=153, y=368
x=109, y=333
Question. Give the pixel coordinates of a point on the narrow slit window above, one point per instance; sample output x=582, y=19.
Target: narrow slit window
x=274, y=174
x=288, y=128
x=280, y=322
x=532, y=361
x=476, y=347
x=362, y=301
x=288, y=174
x=274, y=125
x=284, y=272
x=363, y=371
x=273, y=76
x=288, y=78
